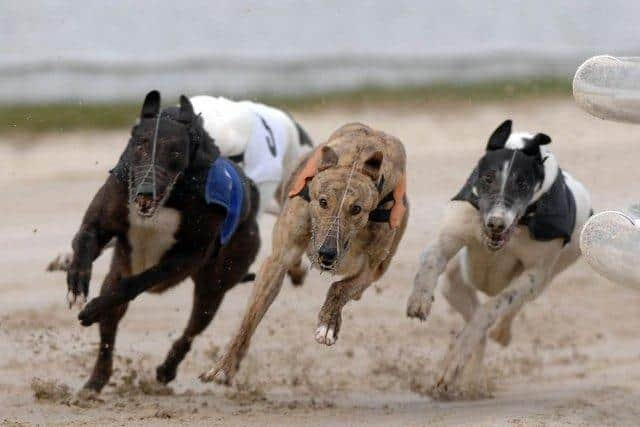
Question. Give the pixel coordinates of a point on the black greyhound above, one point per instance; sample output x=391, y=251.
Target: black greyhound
x=176, y=209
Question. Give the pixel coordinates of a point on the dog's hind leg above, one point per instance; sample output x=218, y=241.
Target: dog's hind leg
x=211, y=283
x=297, y=273
x=290, y=238
x=501, y=332
x=266, y=288
x=525, y=287
x=108, y=326
x=207, y=297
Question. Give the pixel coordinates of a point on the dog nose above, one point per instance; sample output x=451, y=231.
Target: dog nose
x=496, y=224
x=327, y=254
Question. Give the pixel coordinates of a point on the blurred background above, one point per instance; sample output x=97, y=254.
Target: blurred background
x=88, y=52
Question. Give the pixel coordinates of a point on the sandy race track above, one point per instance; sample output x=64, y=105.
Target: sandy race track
x=574, y=360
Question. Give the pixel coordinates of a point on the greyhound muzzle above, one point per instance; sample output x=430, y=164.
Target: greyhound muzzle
x=499, y=224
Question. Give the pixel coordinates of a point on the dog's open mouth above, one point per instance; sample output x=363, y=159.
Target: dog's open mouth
x=145, y=205
x=495, y=241
x=326, y=266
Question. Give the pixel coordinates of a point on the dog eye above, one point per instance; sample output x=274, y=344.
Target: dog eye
x=488, y=178
x=355, y=209
x=323, y=203
x=522, y=184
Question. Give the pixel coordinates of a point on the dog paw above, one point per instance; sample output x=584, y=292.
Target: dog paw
x=62, y=262
x=419, y=305
x=297, y=275
x=96, y=308
x=78, y=278
x=501, y=334
x=85, y=397
x=326, y=335
x=328, y=326
x=165, y=374
x=222, y=373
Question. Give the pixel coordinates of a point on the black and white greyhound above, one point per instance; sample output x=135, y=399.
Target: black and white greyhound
x=514, y=226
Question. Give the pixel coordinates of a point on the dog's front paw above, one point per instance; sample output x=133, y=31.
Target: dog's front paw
x=328, y=328
x=96, y=308
x=326, y=335
x=419, y=305
x=501, y=334
x=62, y=262
x=78, y=278
x=223, y=372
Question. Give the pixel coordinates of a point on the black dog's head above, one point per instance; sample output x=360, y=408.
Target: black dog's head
x=162, y=147
x=509, y=176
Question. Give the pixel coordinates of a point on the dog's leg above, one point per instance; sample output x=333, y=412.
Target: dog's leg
x=63, y=260
x=206, y=301
x=459, y=295
x=524, y=288
x=108, y=327
x=339, y=294
x=105, y=218
x=266, y=288
x=501, y=332
x=434, y=261
x=177, y=264
x=290, y=239
x=297, y=273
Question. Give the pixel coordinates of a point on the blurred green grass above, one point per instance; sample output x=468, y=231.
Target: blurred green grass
x=66, y=117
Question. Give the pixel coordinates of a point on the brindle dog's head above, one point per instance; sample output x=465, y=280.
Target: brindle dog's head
x=509, y=175
x=162, y=147
x=341, y=198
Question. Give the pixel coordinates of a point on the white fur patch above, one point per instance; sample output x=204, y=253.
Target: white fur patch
x=516, y=140
x=151, y=237
x=550, y=173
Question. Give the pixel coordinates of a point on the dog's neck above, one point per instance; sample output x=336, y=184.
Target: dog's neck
x=516, y=141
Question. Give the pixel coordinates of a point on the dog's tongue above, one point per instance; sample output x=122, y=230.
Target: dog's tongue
x=610, y=243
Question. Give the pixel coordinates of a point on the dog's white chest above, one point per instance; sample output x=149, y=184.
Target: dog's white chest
x=151, y=237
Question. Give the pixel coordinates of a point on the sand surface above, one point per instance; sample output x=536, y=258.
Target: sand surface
x=574, y=359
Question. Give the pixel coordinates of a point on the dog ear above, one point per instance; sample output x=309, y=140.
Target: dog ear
x=399, y=204
x=307, y=172
x=542, y=139
x=373, y=165
x=151, y=105
x=499, y=137
x=186, y=114
x=532, y=146
x=329, y=158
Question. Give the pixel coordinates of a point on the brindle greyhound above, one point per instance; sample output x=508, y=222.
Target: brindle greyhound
x=347, y=209
x=166, y=230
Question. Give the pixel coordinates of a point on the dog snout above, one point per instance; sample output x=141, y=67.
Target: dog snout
x=327, y=254
x=496, y=224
